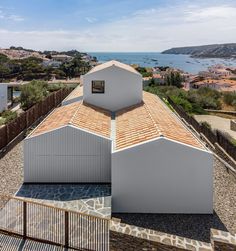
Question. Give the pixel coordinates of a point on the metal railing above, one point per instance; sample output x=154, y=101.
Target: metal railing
x=57, y=226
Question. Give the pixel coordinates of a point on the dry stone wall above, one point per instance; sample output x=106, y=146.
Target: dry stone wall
x=131, y=238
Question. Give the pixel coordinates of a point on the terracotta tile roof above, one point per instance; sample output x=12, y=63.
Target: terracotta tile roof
x=76, y=93
x=78, y=114
x=59, y=117
x=134, y=124
x=93, y=119
x=109, y=64
x=149, y=120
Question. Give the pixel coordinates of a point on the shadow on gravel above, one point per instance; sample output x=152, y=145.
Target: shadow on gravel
x=191, y=226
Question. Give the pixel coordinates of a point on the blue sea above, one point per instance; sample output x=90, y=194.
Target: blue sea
x=150, y=59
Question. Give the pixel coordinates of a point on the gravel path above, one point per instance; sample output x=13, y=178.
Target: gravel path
x=11, y=171
x=225, y=196
x=191, y=226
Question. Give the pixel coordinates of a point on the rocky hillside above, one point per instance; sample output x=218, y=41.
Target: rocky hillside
x=206, y=51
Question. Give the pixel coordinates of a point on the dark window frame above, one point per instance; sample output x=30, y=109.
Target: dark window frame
x=96, y=91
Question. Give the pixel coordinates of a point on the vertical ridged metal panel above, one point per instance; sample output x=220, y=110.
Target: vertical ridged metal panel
x=162, y=176
x=67, y=154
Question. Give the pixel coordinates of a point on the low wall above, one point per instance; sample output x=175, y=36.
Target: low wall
x=132, y=238
x=128, y=237
x=222, y=241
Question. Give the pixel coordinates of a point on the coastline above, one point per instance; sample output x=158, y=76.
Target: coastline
x=152, y=59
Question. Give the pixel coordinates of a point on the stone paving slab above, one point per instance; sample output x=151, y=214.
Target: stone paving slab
x=92, y=199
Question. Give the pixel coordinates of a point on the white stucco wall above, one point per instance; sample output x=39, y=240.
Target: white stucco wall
x=122, y=88
x=3, y=97
x=65, y=155
x=162, y=176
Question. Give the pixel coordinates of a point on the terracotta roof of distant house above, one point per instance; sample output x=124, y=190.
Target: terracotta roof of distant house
x=79, y=114
x=157, y=75
x=111, y=63
x=223, y=84
x=150, y=120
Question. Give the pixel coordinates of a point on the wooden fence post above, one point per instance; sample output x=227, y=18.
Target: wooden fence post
x=66, y=229
x=7, y=133
x=24, y=219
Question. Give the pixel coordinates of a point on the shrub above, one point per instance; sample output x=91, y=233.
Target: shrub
x=182, y=102
x=8, y=116
x=206, y=124
x=146, y=74
x=197, y=109
x=33, y=93
x=2, y=121
x=229, y=98
x=174, y=79
x=55, y=87
x=193, y=101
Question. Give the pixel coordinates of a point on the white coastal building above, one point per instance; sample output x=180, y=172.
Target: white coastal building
x=110, y=131
x=3, y=97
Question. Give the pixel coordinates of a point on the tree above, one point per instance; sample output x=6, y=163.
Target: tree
x=75, y=67
x=152, y=82
x=4, y=71
x=173, y=78
x=33, y=93
x=3, y=58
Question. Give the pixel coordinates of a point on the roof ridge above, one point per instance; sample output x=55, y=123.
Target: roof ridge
x=71, y=120
x=159, y=131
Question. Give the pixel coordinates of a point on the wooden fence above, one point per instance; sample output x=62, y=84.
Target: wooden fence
x=11, y=130
x=213, y=137
x=55, y=226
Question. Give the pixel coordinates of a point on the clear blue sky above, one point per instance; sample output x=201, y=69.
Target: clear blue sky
x=115, y=25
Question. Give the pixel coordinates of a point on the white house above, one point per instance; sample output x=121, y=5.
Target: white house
x=3, y=97
x=112, y=132
x=112, y=86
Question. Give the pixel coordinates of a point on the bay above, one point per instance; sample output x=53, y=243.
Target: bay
x=151, y=59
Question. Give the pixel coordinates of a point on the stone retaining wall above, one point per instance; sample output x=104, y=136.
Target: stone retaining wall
x=131, y=238
x=223, y=241
x=128, y=237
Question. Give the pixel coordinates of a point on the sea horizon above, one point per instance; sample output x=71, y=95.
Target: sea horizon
x=183, y=62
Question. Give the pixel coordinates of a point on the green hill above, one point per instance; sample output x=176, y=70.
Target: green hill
x=206, y=51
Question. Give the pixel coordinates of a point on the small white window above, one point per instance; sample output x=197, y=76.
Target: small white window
x=98, y=86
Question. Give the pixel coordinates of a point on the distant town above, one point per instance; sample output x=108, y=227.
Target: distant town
x=69, y=65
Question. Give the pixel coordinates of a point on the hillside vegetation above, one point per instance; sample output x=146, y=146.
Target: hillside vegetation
x=33, y=68
x=208, y=51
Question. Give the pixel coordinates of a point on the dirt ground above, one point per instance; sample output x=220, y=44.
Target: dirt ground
x=216, y=122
